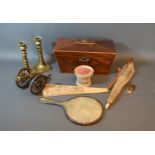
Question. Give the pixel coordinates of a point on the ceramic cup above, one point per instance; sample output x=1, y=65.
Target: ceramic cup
x=83, y=74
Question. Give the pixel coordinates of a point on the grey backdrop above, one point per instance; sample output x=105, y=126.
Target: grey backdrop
x=20, y=110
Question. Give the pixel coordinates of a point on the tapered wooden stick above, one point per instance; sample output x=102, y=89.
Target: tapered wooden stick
x=58, y=90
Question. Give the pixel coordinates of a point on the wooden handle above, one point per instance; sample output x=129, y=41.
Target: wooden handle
x=50, y=101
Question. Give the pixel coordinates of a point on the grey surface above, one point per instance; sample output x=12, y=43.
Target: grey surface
x=20, y=110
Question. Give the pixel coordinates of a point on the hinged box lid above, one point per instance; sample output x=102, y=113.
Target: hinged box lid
x=79, y=46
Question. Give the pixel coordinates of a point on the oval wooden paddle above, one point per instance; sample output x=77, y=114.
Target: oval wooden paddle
x=80, y=110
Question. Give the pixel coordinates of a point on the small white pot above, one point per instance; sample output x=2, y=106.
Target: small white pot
x=83, y=74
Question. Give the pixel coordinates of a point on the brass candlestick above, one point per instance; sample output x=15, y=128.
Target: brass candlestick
x=23, y=47
x=41, y=66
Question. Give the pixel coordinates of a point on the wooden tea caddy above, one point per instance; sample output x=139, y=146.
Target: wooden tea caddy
x=70, y=53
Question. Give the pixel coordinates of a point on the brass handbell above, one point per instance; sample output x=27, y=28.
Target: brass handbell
x=41, y=66
x=23, y=47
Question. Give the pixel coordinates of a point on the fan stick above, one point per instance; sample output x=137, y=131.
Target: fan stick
x=124, y=76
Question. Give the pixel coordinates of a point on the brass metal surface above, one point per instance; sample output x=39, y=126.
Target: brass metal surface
x=131, y=88
x=23, y=78
x=41, y=66
x=35, y=80
x=85, y=41
x=32, y=76
x=37, y=84
x=23, y=47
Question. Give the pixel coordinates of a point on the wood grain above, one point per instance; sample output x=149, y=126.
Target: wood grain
x=59, y=90
x=100, y=55
x=124, y=76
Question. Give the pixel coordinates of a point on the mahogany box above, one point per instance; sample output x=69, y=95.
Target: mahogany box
x=99, y=54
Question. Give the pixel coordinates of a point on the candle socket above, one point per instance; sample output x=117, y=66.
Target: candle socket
x=41, y=66
x=23, y=47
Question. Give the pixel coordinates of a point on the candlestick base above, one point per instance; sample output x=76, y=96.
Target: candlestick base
x=42, y=68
